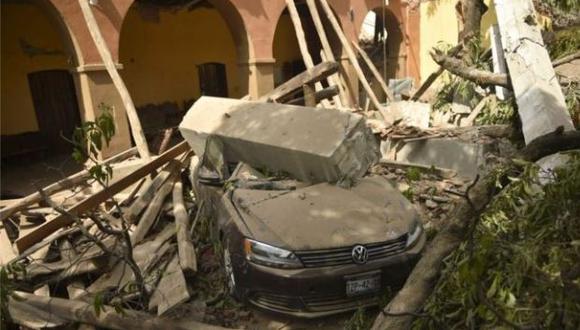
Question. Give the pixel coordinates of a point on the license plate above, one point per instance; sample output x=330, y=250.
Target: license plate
x=363, y=285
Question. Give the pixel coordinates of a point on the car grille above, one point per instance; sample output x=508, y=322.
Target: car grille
x=313, y=304
x=343, y=256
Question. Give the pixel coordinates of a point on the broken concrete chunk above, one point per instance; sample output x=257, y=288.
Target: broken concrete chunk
x=540, y=100
x=312, y=144
x=465, y=157
x=411, y=113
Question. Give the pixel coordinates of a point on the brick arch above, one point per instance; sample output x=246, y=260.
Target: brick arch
x=56, y=14
x=408, y=18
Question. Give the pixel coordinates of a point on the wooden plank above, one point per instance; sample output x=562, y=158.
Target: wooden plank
x=185, y=248
x=286, y=90
x=71, y=181
x=302, y=44
x=172, y=289
x=152, y=211
x=148, y=192
x=334, y=79
x=108, y=317
x=540, y=100
x=145, y=255
x=309, y=95
x=49, y=227
x=374, y=71
x=353, y=60
x=6, y=250
x=135, y=124
x=326, y=93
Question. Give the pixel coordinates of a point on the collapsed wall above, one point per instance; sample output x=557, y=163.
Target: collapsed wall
x=312, y=144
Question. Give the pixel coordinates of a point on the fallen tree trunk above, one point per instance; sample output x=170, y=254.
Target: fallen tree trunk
x=107, y=317
x=402, y=310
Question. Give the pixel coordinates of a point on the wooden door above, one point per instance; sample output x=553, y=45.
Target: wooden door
x=213, y=80
x=56, y=107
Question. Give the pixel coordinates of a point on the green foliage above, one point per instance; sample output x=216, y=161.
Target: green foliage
x=88, y=141
x=409, y=194
x=521, y=266
x=565, y=43
x=565, y=5
x=458, y=88
x=572, y=95
x=359, y=320
x=7, y=275
x=498, y=113
x=413, y=174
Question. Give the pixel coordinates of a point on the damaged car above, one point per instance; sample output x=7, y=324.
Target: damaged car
x=306, y=249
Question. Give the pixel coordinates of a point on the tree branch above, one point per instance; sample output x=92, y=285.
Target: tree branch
x=478, y=76
x=421, y=282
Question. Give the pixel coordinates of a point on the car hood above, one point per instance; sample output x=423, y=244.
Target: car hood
x=325, y=216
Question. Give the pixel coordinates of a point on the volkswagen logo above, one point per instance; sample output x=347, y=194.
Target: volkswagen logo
x=360, y=254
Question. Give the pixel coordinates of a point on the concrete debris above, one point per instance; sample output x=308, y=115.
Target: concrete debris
x=312, y=144
x=410, y=113
x=540, y=100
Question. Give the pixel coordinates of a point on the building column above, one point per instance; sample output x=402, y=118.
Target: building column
x=259, y=75
x=95, y=87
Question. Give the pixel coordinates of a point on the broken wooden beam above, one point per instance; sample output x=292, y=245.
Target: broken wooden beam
x=185, y=248
x=172, y=289
x=327, y=55
x=152, y=211
x=352, y=57
x=326, y=93
x=302, y=45
x=134, y=123
x=374, y=71
x=49, y=227
x=107, y=317
x=286, y=90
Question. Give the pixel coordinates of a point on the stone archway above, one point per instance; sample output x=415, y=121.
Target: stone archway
x=37, y=61
x=172, y=55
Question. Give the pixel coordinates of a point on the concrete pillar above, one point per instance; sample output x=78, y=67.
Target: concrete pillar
x=94, y=86
x=260, y=76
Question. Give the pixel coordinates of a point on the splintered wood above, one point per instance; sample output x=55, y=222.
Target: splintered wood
x=63, y=248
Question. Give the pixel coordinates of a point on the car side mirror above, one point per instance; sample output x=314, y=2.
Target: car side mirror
x=213, y=169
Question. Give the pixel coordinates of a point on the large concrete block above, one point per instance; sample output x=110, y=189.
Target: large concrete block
x=465, y=157
x=312, y=144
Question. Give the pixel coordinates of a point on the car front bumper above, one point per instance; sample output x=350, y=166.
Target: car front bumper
x=320, y=291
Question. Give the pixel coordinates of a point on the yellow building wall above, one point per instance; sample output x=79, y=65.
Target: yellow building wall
x=285, y=46
x=160, y=58
x=30, y=42
x=438, y=24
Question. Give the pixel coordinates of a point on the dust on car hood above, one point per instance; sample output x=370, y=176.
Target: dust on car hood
x=326, y=216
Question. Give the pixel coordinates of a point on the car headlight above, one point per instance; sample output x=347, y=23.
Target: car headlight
x=415, y=229
x=268, y=255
